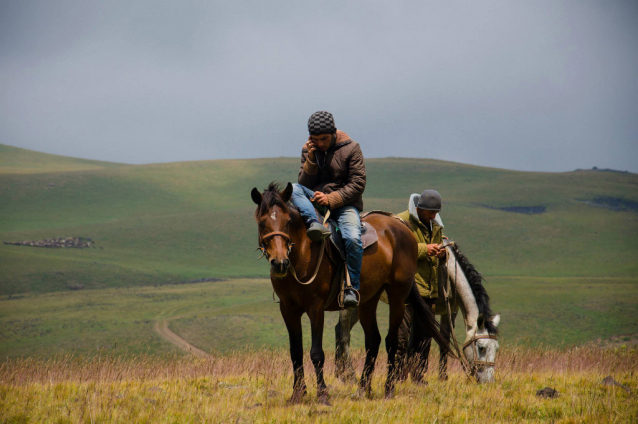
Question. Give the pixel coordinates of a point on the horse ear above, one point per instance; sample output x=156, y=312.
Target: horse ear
x=481, y=321
x=496, y=319
x=287, y=193
x=256, y=195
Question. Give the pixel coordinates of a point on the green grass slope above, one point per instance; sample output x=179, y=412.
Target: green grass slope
x=573, y=266
x=15, y=160
x=162, y=223
x=227, y=316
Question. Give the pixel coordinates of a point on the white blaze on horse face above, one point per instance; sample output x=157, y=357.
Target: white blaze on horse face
x=273, y=215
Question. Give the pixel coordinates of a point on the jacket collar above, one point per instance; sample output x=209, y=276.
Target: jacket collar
x=342, y=139
x=414, y=200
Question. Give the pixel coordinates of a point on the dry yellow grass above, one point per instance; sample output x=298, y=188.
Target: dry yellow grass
x=253, y=386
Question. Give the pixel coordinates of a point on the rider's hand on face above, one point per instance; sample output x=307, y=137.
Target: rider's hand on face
x=321, y=198
x=310, y=146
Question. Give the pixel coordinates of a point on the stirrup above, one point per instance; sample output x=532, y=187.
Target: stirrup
x=342, y=296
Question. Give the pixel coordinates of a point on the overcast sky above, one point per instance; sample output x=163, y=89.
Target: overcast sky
x=527, y=85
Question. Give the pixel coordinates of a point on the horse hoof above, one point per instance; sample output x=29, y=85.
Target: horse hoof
x=296, y=398
x=361, y=392
x=348, y=378
x=324, y=399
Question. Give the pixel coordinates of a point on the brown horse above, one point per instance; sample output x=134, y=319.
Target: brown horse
x=388, y=265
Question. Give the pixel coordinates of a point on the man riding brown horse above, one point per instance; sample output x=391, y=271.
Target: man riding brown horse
x=333, y=176
x=332, y=165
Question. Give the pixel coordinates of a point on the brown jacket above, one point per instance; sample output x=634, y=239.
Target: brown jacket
x=340, y=172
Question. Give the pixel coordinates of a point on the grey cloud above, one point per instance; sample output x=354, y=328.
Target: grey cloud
x=546, y=86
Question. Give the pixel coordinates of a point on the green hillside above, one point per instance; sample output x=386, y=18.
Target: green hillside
x=227, y=316
x=565, y=275
x=155, y=224
x=14, y=160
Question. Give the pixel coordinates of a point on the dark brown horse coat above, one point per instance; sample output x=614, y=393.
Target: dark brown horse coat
x=387, y=266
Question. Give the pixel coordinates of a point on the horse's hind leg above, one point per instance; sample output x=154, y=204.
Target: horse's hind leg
x=317, y=355
x=343, y=362
x=368, y=317
x=419, y=348
x=403, y=336
x=397, y=312
x=446, y=331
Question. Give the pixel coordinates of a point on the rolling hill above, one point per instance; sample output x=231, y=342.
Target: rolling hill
x=555, y=248
x=155, y=224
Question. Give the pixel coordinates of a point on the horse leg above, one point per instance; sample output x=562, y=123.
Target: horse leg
x=401, y=357
x=317, y=356
x=446, y=331
x=419, y=349
x=368, y=317
x=397, y=314
x=292, y=318
x=343, y=362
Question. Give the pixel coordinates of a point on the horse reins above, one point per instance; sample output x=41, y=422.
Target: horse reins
x=290, y=245
x=467, y=367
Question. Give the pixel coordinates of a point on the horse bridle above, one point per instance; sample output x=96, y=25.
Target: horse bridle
x=264, y=252
x=262, y=239
x=478, y=363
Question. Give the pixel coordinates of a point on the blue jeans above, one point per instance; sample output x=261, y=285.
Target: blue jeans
x=347, y=218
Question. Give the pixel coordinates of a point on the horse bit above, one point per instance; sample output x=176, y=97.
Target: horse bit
x=264, y=252
x=478, y=363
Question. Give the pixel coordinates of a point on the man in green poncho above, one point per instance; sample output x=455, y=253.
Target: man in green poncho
x=427, y=228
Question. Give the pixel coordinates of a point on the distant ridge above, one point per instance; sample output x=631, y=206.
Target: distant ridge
x=16, y=160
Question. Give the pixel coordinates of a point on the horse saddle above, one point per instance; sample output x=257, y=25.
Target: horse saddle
x=368, y=236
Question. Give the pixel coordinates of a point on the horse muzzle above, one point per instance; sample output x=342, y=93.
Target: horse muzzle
x=279, y=268
x=485, y=375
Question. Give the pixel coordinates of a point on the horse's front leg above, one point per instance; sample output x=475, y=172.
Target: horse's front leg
x=292, y=318
x=317, y=356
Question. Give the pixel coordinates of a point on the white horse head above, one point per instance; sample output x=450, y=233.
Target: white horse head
x=480, y=350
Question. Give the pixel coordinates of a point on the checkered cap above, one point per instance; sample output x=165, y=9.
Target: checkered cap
x=321, y=122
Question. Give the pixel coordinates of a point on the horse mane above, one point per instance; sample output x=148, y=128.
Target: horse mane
x=269, y=198
x=478, y=290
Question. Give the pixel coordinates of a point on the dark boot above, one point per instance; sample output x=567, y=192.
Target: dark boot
x=350, y=299
x=317, y=232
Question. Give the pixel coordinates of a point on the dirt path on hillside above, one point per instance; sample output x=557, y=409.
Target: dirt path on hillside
x=161, y=327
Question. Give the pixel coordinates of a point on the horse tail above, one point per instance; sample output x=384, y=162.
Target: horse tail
x=424, y=317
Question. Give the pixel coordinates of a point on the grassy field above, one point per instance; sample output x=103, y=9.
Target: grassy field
x=230, y=315
x=565, y=276
x=253, y=386
x=156, y=224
